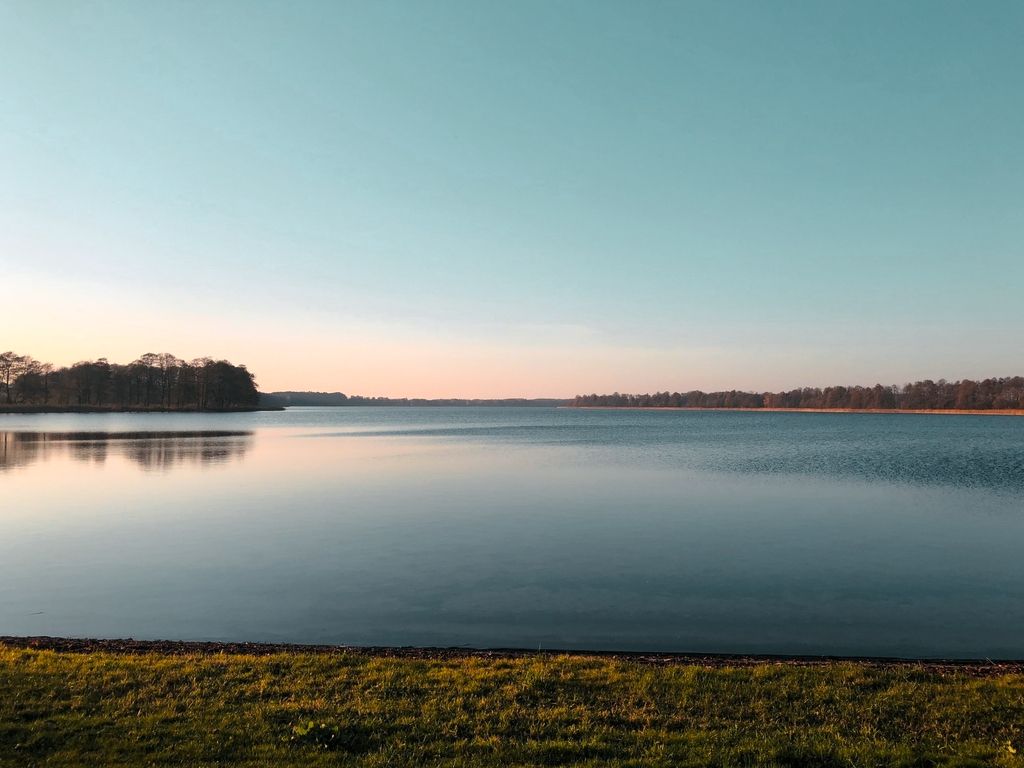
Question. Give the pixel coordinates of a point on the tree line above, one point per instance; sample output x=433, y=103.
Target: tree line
x=988, y=394
x=159, y=382
x=284, y=399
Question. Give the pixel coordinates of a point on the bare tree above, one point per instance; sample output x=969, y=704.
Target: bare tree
x=10, y=369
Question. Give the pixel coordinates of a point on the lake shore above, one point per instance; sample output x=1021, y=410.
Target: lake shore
x=97, y=703
x=894, y=411
x=974, y=667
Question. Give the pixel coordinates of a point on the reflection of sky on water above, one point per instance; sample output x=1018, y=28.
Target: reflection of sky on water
x=561, y=535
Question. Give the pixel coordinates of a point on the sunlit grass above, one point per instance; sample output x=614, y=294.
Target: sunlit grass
x=352, y=709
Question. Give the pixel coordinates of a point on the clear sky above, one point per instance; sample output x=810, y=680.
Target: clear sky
x=489, y=198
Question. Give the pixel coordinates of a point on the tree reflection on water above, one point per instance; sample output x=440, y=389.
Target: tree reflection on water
x=150, y=450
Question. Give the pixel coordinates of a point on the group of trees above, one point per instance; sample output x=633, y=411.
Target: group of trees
x=160, y=382
x=989, y=394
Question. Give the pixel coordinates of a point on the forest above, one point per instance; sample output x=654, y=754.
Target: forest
x=988, y=394
x=153, y=382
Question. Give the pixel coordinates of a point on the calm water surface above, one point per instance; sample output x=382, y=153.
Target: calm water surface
x=551, y=528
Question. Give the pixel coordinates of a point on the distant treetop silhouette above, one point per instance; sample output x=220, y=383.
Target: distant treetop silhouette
x=966, y=395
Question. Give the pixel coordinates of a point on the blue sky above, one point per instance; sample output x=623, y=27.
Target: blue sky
x=528, y=198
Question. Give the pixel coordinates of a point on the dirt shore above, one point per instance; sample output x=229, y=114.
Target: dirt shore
x=972, y=667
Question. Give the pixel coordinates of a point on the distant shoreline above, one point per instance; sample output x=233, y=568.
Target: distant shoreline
x=44, y=409
x=932, y=412
x=341, y=400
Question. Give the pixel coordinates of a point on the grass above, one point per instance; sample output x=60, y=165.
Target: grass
x=309, y=709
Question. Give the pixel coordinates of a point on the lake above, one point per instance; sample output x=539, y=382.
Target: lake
x=728, y=532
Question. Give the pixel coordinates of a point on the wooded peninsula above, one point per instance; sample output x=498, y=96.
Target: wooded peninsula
x=153, y=382
x=965, y=395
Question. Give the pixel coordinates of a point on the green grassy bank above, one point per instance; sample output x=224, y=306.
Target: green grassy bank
x=202, y=708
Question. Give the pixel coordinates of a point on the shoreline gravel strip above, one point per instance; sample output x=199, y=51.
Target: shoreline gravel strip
x=971, y=667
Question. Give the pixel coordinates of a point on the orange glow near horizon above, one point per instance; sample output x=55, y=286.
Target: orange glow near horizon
x=290, y=349
x=428, y=368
